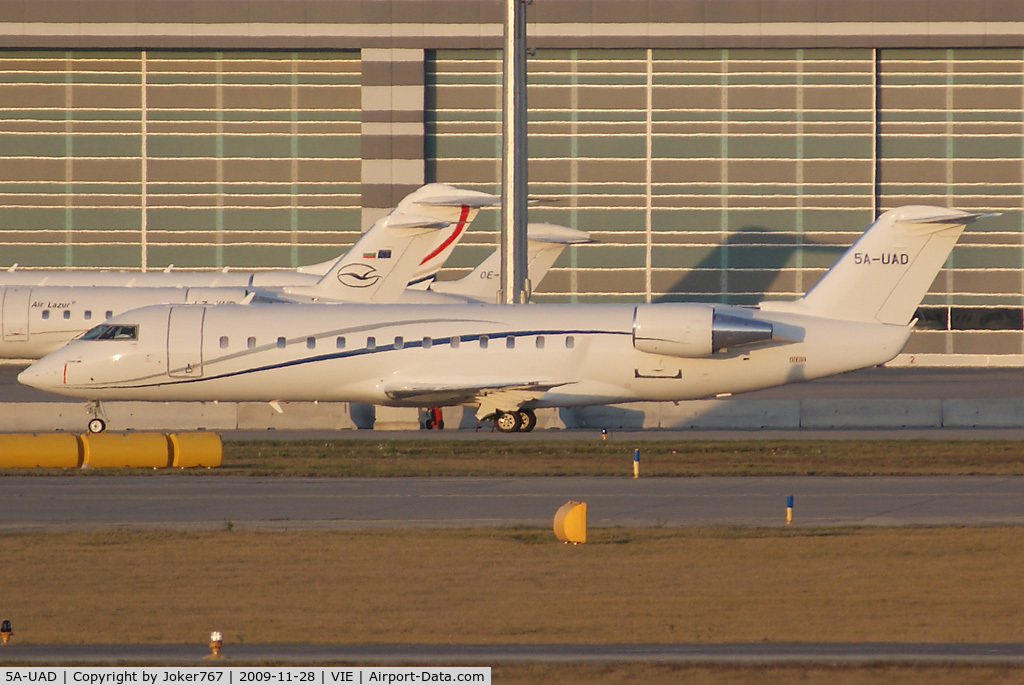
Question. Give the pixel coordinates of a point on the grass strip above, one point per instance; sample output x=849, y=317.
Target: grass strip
x=630, y=674
x=487, y=457
x=517, y=585
x=603, y=458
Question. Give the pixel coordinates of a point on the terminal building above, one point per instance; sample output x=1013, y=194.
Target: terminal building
x=718, y=150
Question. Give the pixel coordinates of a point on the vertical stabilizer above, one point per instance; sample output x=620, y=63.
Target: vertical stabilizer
x=427, y=222
x=885, y=274
x=464, y=205
x=544, y=244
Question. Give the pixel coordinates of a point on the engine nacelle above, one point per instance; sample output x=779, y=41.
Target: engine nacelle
x=693, y=330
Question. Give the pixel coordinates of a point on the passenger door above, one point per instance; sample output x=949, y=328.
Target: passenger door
x=185, y=342
x=15, y=313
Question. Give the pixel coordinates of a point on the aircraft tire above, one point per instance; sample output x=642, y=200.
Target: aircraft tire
x=528, y=420
x=97, y=426
x=508, y=422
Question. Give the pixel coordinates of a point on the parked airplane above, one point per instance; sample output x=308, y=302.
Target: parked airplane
x=508, y=360
x=35, y=320
x=445, y=241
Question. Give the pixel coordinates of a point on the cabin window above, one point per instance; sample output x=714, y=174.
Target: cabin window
x=88, y=314
x=109, y=313
x=399, y=342
x=455, y=342
x=223, y=342
x=427, y=343
x=540, y=342
x=483, y=342
x=371, y=343
x=46, y=313
x=281, y=342
x=108, y=331
x=340, y=342
x=251, y=342
x=510, y=342
x=311, y=343
x=67, y=313
x=570, y=342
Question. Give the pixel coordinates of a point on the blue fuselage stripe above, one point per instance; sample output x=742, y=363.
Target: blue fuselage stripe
x=363, y=351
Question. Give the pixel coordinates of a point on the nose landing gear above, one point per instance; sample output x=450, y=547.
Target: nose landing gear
x=98, y=423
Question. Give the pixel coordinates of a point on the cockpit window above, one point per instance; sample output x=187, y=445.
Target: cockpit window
x=113, y=331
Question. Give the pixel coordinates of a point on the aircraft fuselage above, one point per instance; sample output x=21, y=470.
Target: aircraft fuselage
x=403, y=355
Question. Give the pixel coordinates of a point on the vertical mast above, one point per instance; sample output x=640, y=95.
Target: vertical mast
x=515, y=288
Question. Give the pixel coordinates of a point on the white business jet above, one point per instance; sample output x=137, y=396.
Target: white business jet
x=507, y=360
x=35, y=320
x=445, y=241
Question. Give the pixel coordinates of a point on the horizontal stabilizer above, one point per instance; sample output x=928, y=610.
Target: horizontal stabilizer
x=954, y=219
x=397, y=220
x=554, y=233
x=459, y=197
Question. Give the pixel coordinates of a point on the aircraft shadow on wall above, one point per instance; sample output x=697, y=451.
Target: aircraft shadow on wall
x=702, y=282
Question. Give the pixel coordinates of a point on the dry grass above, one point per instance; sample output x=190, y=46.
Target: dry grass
x=650, y=674
x=516, y=586
x=597, y=457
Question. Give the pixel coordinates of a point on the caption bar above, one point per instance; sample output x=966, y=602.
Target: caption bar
x=221, y=675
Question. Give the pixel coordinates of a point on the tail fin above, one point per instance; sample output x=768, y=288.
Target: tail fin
x=885, y=274
x=544, y=244
x=463, y=206
x=381, y=263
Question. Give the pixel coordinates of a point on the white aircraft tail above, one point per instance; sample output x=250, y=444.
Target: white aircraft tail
x=378, y=267
x=462, y=206
x=885, y=274
x=545, y=242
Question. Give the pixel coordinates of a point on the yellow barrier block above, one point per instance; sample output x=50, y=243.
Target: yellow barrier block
x=571, y=522
x=195, y=449
x=111, y=450
x=29, y=450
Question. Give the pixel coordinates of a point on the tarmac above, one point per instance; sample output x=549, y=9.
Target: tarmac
x=880, y=399
x=184, y=502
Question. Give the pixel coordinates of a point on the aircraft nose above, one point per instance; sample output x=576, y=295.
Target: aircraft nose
x=42, y=375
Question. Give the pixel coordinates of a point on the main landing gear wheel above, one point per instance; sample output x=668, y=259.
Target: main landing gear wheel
x=528, y=420
x=508, y=422
x=97, y=426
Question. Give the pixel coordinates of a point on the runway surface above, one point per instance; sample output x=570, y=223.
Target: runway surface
x=489, y=655
x=199, y=503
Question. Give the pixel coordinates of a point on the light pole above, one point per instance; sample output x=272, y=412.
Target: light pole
x=515, y=287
